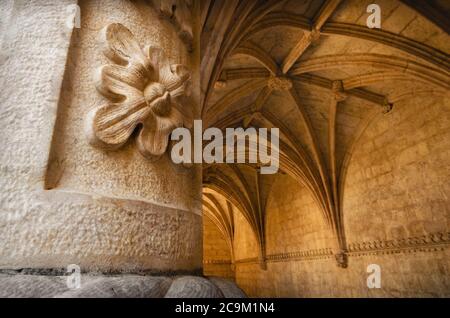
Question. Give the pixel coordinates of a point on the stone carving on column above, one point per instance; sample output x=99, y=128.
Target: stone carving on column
x=144, y=90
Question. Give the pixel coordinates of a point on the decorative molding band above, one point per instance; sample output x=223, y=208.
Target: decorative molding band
x=250, y=260
x=216, y=262
x=145, y=92
x=323, y=253
x=426, y=243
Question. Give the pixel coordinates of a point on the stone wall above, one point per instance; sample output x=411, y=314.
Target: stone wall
x=395, y=211
x=398, y=176
x=420, y=274
x=245, y=245
x=216, y=252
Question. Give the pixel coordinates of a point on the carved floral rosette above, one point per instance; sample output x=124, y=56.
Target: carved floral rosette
x=145, y=92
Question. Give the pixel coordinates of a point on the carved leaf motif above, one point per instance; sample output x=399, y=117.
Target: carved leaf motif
x=153, y=139
x=144, y=89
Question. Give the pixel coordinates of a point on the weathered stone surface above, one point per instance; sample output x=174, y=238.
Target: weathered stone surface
x=228, y=287
x=121, y=287
x=216, y=251
x=31, y=286
x=193, y=287
x=112, y=234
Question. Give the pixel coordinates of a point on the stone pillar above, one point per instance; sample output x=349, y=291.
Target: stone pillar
x=64, y=200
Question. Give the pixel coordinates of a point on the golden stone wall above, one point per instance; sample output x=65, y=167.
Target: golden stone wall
x=216, y=252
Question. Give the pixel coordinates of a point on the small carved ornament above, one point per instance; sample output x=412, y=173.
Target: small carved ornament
x=145, y=92
x=279, y=83
x=341, y=259
x=338, y=90
x=387, y=107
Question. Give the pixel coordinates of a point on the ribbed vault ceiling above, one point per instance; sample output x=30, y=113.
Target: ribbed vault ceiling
x=317, y=72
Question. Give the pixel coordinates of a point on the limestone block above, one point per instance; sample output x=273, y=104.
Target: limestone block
x=34, y=285
x=121, y=287
x=101, y=234
x=31, y=286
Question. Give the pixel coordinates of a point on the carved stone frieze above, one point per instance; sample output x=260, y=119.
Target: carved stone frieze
x=145, y=92
x=426, y=243
x=217, y=262
x=308, y=254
